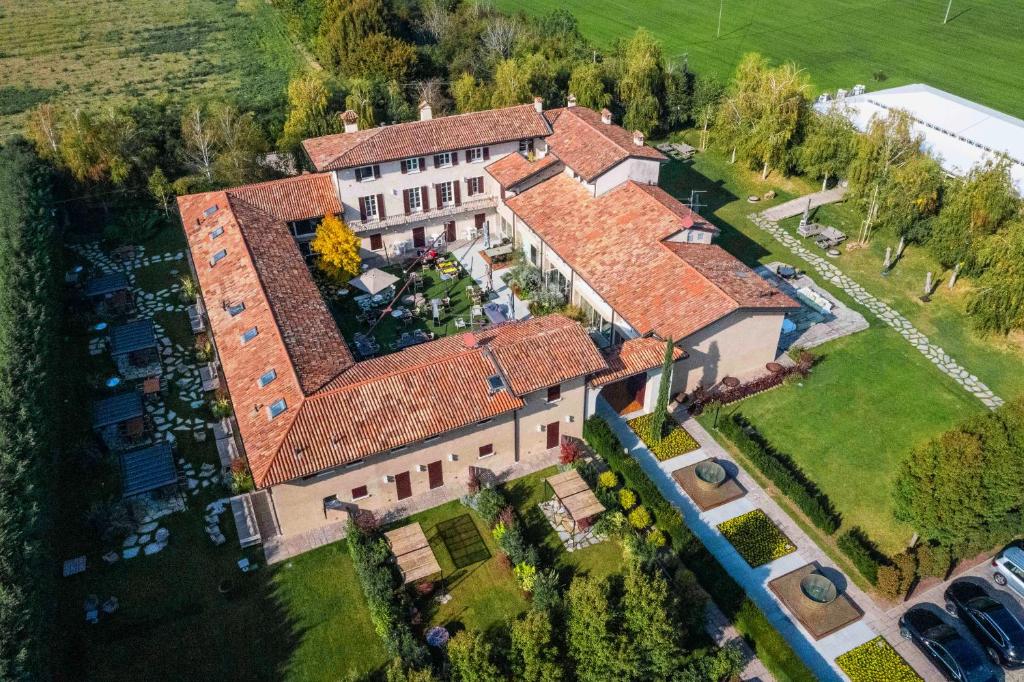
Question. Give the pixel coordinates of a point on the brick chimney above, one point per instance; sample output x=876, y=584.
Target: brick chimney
x=606, y=117
x=571, y=102
x=538, y=104
x=638, y=138
x=351, y=121
x=426, y=113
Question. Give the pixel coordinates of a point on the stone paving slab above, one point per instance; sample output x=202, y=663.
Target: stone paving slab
x=891, y=317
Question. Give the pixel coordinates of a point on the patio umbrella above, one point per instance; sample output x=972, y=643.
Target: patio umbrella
x=373, y=281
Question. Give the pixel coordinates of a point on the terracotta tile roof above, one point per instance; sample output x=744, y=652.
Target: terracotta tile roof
x=297, y=198
x=693, y=221
x=632, y=357
x=420, y=138
x=615, y=242
x=739, y=282
x=512, y=169
x=591, y=147
x=426, y=390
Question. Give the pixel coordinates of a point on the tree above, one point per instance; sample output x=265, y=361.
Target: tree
x=198, y=142
x=647, y=605
x=587, y=84
x=828, y=146
x=397, y=672
x=396, y=106
x=996, y=303
x=910, y=197
x=93, y=148
x=640, y=87
x=308, y=110
x=43, y=129
x=965, y=488
x=470, y=658
x=533, y=653
x=470, y=94
x=592, y=645
x=240, y=146
x=661, y=407
x=382, y=57
x=344, y=27
x=511, y=84
x=338, y=249
x=361, y=99
x=160, y=189
x=707, y=94
x=501, y=35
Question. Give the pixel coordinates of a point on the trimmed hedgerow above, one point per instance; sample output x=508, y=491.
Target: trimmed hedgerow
x=876, y=660
x=782, y=471
x=856, y=545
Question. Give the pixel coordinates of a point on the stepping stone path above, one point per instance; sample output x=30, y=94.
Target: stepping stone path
x=212, y=518
x=942, y=360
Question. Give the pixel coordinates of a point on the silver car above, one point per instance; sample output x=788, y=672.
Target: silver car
x=1008, y=568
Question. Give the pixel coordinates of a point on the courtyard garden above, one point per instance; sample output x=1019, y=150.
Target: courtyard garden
x=674, y=441
x=757, y=539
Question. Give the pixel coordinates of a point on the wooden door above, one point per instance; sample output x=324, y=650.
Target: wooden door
x=638, y=387
x=419, y=240
x=479, y=219
x=449, y=231
x=403, y=484
x=435, y=474
x=552, y=431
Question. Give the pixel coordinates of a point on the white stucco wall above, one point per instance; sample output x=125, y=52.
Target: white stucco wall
x=643, y=171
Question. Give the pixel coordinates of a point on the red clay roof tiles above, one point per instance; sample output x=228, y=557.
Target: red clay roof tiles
x=420, y=138
x=632, y=357
x=512, y=169
x=591, y=147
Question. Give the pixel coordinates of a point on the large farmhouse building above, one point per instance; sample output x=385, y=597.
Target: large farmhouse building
x=325, y=434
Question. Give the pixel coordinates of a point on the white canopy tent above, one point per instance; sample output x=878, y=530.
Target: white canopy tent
x=959, y=133
x=373, y=281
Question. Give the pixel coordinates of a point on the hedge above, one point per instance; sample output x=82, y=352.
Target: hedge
x=856, y=545
x=782, y=471
x=773, y=650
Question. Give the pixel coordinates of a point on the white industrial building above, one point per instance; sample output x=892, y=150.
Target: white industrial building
x=957, y=132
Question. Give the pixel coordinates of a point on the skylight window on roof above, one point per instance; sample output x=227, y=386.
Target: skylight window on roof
x=249, y=334
x=235, y=308
x=277, y=407
x=267, y=377
x=217, y=257
x=217, y=232
x=495, y=383
x=210, y=211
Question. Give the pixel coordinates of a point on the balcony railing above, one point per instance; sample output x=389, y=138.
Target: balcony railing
x=433, y=215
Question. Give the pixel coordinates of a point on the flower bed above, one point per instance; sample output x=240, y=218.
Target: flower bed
x=675, y=440
x=876, y=660
x=756, y=538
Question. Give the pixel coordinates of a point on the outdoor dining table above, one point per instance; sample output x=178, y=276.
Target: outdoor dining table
x=494, y=313
x=399, y=313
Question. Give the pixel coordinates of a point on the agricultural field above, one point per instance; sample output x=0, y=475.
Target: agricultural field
x=100, y=52
x=840, y=42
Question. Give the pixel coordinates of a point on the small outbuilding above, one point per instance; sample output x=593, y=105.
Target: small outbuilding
x=147, y=470
x=134, y=349
x=120, y=420
x=111, y=293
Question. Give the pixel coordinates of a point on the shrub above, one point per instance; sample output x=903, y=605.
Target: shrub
x=933, y=560
x=546, y=593
x=498, y=532
x=110, y=519
x=782, y=471
x=906, y=564
x=569, y=451
x=526, y=574
x=607, y=479
x=757, y=539
x=855, y=544
x=189, y=290
x=639, y=518
x=627, y=499
x=889, y=582
x=656, y=538
x=675, y=439
x=876, y=660
x=488, y=503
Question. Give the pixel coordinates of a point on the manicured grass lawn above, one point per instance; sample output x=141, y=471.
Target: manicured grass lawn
x=93, y=54
x=840, y=43
x=851, y=423
x=485, y=593
x=345, y=309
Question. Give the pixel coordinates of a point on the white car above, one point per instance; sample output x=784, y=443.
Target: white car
x=1009, y=569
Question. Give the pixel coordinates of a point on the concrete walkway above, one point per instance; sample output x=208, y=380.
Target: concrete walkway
x=818, y=655
x=942, y=360
x=799, y=205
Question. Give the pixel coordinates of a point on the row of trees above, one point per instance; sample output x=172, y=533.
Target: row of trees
x=29, y=320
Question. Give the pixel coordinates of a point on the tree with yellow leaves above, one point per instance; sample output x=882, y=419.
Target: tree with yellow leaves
x=338, y=249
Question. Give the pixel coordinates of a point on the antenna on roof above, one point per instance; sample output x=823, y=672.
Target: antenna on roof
x=694, y=201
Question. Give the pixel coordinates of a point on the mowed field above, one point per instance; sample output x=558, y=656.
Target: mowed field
x=979, y=54
x=99, y=52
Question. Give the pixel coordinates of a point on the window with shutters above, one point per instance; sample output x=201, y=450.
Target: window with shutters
x=368, y=207
x=365, y=174
x=475, y=155
x=474, y=186
x=415, y=200
x=442, y=160
x=447, y=193
x=525, y=146
x=554, y=393
x=412, y=165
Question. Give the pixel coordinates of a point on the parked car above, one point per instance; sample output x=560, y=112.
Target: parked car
x=1009, y=569
x=998, y=630
x=956, y=656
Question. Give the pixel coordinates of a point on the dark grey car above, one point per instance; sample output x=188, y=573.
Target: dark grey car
x=998, y=630
x=956, y=656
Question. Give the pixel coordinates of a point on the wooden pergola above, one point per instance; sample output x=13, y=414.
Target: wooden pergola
x=575, y=495
x=415, y=559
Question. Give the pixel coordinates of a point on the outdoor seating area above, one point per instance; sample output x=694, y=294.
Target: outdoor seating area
x=415, y=558
x=111, y=294
x=148, y=469
x=709, y=483
x=815, y=597
x=134, y=349
x=120, y=420
x=575, y=496
x=387, y=310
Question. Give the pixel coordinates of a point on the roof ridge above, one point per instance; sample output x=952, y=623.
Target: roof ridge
x=405, y=369
x=274, y=181
x=697, y=270
x=594, y=127
x=376, y=131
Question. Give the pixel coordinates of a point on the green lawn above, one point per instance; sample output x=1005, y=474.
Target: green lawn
x=852, y=422
x=975, y=55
